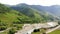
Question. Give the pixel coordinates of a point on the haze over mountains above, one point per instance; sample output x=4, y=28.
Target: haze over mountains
x=54, y=9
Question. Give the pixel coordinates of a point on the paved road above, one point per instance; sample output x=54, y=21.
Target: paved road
x=50, y=30
x=29, y=28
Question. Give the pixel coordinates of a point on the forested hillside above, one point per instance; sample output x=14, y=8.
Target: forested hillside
x=38, y=16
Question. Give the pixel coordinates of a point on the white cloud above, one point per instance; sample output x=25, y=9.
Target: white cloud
x=31, y=2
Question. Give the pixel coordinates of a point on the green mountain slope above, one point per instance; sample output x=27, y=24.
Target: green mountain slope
x=23, y=14
x=9, y=16
x=34, y=14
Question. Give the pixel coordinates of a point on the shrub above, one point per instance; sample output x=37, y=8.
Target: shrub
x=2, y=28
x=12, y=31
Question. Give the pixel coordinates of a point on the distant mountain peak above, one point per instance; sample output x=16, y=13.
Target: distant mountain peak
x=22, y=4
x=55, y=6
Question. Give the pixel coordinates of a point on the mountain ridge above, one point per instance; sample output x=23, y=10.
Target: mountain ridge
x=26, y=7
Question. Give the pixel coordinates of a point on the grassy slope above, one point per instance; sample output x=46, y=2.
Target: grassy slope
x=55, y=32
x=7, y=19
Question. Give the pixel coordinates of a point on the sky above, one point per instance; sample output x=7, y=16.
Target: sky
x=32, y=2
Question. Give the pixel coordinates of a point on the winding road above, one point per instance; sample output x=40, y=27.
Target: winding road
x=50, y=30
x=29, y=28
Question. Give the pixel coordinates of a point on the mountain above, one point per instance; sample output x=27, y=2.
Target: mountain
x=35, y=14
x=22, y=14
x=54, y=9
